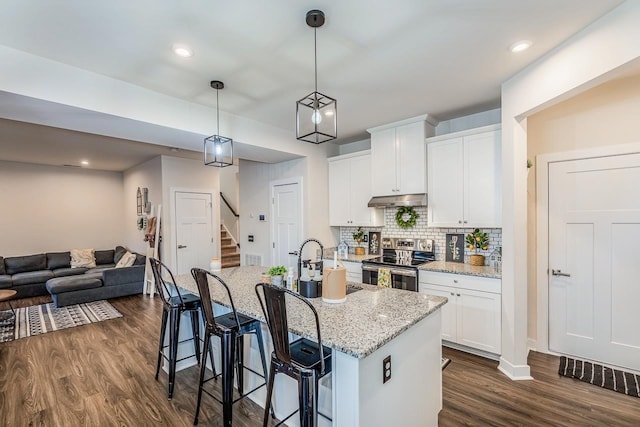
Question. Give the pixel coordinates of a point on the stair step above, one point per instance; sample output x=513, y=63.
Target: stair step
x=230, y=260
x=228, y=249
x=226, y=241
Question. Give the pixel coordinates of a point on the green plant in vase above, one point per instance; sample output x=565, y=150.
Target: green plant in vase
x=477, y=241
x=277, y=274
x=358, y=237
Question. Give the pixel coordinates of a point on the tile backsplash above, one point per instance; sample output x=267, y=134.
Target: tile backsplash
x=421, y=231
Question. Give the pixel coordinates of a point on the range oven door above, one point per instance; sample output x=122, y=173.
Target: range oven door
x=401, y=278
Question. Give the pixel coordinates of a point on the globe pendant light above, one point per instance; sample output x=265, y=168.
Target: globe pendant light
x=316, y=114
x=218, y=150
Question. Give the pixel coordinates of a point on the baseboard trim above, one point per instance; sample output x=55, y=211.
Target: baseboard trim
x=515, y=372
x=471, y=350
x=532, y=344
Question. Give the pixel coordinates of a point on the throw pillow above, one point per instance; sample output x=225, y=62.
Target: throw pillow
x=118, y=254
x=83, y=258
x=127, y=260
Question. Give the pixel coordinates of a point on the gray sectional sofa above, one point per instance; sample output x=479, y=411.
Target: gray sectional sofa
x=34, y=275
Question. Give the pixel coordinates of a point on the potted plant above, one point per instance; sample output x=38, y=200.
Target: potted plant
x=476, y=241
x=358, y=237
x=277, y=274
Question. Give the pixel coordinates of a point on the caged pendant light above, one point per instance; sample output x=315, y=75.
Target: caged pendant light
x=316, y=113
x=218, y=150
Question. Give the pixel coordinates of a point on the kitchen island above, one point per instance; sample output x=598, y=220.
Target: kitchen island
x=371, y=325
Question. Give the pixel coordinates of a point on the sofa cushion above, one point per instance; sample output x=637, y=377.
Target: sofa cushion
x=58, y=260
x=83, y=258
x=118, y=253
x=31, y=277
x=5, y=281
x=62, y=272
x=2, y=272
x=105, y=257
x=23, y=264
x=73, y=283
x=127, y=260
x=100, y=268
x=140, y=259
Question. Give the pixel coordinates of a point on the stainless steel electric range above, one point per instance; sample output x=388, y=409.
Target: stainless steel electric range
x=402, y=257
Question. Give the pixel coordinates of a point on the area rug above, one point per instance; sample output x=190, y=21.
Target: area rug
x=603, y=376
x=40, y=319
x=445, y=362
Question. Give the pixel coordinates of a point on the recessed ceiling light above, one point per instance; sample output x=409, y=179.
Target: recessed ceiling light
x=182, y=51
x=84, y=162
x=520, y=46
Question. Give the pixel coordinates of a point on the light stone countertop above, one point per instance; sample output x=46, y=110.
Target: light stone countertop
x=368, y=319
x=459, y=268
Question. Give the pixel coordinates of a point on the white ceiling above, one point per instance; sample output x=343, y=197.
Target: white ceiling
x=383, y=61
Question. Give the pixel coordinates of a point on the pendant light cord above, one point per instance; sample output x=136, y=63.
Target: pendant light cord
x=315, y=58
x=218, y=112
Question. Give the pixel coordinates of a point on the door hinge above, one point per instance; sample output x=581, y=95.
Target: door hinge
x=210, y=204
x=273, y=200
x=274, y=245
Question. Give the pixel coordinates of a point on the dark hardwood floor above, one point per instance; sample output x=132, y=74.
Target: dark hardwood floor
x=102, y=375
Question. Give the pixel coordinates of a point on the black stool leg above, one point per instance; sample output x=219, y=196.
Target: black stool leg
x=267, y=403
x=307, y=401
x=163, y=330
x=203, y=367
x=195, y=327
x=263, y=357
x=240, y=363
x=228, y=340
x=174, y=334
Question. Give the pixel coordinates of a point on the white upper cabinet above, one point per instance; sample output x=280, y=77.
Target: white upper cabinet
x=350, y=191
x=398, y=157
x=464, y=177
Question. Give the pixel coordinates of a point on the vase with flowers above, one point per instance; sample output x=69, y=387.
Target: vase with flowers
x=477, y=241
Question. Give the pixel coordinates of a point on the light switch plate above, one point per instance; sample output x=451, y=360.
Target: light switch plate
x=386, y=369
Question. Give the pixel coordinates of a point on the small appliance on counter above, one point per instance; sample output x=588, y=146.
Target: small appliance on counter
x=334, y=282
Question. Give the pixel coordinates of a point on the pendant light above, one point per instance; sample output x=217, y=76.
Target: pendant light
x=218, y=150
x=316, y=114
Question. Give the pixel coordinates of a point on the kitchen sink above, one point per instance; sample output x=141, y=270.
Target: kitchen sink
x=353, y=288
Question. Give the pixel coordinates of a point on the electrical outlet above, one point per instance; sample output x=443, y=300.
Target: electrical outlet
x=386, y=369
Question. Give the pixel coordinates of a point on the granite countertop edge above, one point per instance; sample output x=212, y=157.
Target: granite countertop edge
x=460, y=268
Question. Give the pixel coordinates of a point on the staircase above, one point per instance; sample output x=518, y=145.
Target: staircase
x=229, y=250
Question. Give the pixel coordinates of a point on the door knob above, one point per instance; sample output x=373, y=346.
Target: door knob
x=181, y=246
x=294, y=253
x=560, y=273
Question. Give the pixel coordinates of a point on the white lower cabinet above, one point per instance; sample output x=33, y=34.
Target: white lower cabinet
x=472, y=317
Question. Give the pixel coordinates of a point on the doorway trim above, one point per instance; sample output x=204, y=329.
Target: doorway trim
x=542, y=221
x=170, y=246
x=272, y=232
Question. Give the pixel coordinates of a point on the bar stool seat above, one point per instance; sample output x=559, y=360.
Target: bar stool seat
x=231, y=328
x=174, y=304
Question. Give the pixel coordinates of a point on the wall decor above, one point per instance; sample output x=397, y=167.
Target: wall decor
x=374, y=243
x=455, y=248
x=406, y=217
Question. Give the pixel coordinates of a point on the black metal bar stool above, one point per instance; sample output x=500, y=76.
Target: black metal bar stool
x=231, y=328
x=174, y=304
x=303, y=360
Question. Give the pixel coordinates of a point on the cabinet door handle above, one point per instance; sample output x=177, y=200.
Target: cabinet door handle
x=458, y=295
x=465, y=221
x=452, y=294
x=560, y=273
x=460, y=222
x=455, y=281
x=181, y=246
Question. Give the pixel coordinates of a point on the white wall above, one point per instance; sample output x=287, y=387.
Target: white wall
x=145, y=175
x=187, y=174
x=605, y=115
x=51, y=209
x=580, y=63
x=255, y=179
x=230, y=187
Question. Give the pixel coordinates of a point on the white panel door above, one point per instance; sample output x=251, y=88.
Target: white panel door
x=449, y=310
x=286, y=223
x=594, y=227
x=194, y=232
